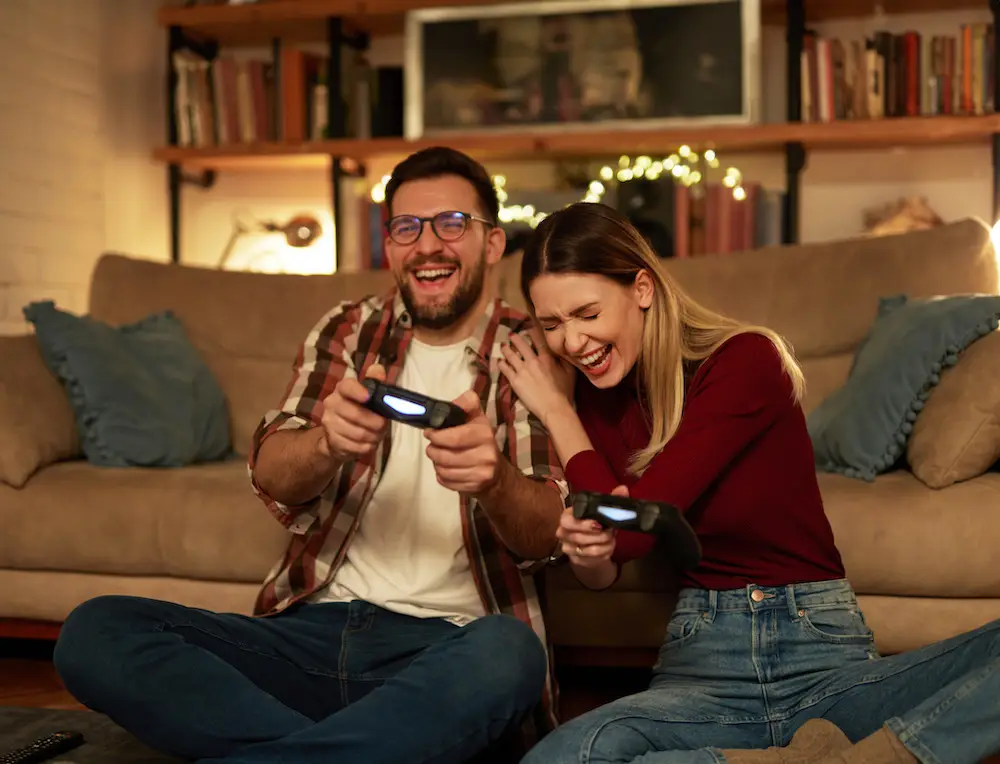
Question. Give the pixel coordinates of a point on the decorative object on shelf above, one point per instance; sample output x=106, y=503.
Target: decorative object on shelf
x=300, y=231
x=579, y=65
x=904, y=214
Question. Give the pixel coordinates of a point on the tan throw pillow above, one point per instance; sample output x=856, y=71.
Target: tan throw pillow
x=957, y=434
x=39, y=427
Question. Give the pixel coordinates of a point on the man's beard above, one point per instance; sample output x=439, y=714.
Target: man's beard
x=462, y=300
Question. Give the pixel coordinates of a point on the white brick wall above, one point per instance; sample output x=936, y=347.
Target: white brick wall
x=51, y=154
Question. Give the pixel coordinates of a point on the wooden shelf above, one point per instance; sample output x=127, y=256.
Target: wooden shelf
x=303, y=20
x=296, y=20
x=861, y=134
x=773, y=11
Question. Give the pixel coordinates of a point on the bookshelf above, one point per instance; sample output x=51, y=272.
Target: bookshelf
x=354, y=23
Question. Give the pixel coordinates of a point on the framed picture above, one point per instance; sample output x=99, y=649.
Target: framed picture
x=581, y=64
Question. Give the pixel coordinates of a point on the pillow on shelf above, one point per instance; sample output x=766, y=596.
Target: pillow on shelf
x=38, y=424
x=862, y=429
x=141, y=394
x=957, y=435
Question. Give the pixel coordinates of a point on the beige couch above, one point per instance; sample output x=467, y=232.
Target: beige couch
x=920, y=557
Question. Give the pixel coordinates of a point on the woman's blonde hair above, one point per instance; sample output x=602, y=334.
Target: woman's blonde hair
x=594, y=238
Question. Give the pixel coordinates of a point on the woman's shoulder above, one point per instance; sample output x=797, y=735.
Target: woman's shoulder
x=750, y=357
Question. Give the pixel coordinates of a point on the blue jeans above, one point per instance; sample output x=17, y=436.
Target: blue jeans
x=338, y=682
x=745, y=668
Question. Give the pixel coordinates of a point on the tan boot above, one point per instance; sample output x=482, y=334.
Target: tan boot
x=882, y=747
x=814, y=742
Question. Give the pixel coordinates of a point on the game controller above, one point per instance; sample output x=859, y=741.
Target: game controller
x=658, y=518
x=411, y=408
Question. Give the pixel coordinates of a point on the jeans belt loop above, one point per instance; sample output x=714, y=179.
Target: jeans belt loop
x=793, y=609
x=713, y=605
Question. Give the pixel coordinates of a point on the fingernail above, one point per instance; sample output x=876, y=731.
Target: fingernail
x=595, y=526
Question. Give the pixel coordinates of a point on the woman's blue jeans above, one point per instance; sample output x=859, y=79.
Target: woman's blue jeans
x=746, y=668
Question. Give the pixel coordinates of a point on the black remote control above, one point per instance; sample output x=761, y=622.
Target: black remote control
x=44, y=748
x=411, y=408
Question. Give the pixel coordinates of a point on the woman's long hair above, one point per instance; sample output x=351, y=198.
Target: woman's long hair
x=593, y=238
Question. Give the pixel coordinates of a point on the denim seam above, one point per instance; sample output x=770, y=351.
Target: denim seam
x=911, y=731
x=869, y=679
x=164, y=625
x=915, y=746
x=345, y=698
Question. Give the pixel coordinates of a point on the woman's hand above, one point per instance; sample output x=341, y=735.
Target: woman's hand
x=589, y=548
x=585, y=542
x=543, y=382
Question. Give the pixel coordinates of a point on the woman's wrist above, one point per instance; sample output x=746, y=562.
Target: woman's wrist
x=598, y=578
x=566, y=431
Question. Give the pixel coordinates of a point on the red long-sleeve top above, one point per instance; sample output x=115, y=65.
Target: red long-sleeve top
x=740, y=467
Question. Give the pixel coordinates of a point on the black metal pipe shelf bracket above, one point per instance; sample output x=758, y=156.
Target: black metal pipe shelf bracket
x=176, y=176
x=995, y=9
x=336, y=116
x=795, y=154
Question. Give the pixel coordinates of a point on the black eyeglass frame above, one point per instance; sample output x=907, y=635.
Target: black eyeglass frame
x=465, y=216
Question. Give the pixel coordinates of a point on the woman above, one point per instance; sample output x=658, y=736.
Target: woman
x=676, y=403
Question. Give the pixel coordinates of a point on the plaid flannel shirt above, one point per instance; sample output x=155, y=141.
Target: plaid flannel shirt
x=344, y=343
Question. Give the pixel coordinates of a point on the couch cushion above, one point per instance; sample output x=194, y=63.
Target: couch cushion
x=863, y=428
x=199, y=522
x=957, y=435
x=141, y=392
x=39, y=427
x=897, y=536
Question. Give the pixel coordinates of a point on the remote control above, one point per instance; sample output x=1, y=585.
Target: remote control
x=411, y=408
x=44, y=748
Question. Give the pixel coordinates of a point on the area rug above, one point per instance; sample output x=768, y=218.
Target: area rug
x=106, y=742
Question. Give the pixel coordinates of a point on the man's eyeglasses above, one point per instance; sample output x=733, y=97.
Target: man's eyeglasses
x=448, y=226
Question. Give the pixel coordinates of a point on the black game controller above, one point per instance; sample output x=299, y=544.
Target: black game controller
x=409, y=407
x=653, y=517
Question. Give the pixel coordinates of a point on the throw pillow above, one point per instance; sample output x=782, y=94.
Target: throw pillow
x=39, y=428
x=862, y=429
x=141, y=393
x=957, y=435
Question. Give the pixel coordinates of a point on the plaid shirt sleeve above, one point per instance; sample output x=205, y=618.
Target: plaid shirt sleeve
x=529, y=448
x=323, y=360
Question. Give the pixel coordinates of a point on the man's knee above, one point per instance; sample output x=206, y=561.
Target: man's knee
x=514, y=662
x=85, y=648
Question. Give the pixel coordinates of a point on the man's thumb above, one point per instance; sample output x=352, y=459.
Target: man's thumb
x=469, y=403
x=376, y=371
x=620, y=491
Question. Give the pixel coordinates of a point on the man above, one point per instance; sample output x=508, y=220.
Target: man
x=402, y=624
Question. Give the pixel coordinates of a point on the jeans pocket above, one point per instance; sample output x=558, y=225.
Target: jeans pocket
x=840, y=624
x=682, y=628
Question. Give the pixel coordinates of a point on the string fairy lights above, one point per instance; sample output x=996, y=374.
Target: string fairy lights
x=688, y=168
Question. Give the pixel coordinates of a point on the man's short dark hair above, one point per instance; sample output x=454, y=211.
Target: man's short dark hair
x=437, y=161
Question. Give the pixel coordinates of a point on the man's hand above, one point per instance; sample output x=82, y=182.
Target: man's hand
x=351, y=430
x=466, y=458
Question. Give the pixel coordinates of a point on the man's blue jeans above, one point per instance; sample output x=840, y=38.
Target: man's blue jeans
x=745, y=668
x=338, y=682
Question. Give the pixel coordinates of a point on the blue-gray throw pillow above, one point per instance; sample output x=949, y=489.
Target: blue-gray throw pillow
x=141, y=393
x=862, y=429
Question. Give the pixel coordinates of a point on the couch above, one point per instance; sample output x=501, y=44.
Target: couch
x=921, y=558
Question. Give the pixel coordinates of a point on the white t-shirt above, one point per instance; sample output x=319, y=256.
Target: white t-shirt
x=408, y=554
